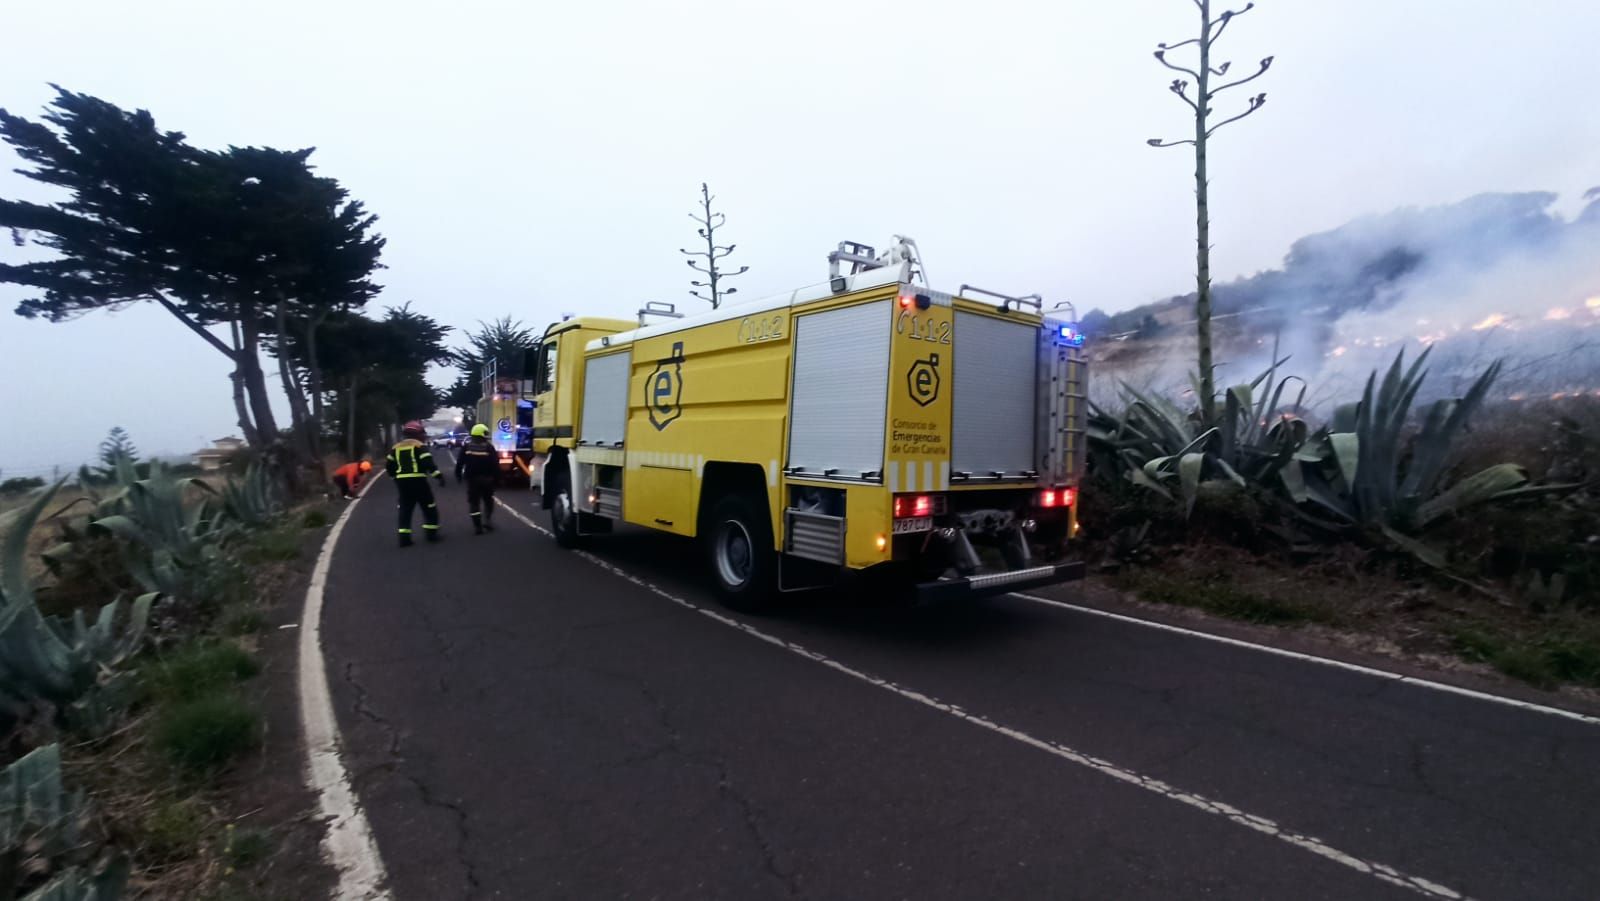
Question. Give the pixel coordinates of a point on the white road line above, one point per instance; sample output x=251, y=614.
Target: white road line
x=1323, y=661
x=347, y=844
x=1263, y=825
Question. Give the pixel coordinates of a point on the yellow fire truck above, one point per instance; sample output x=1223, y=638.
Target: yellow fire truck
x=504, y=407
x=865, y=423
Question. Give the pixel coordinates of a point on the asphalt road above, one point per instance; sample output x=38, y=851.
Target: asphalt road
x=524, y=722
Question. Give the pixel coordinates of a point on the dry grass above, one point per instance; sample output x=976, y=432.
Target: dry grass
x=1547, y=435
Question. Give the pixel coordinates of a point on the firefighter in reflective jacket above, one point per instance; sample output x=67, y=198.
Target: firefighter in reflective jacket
x=411, y=465
x=480, y=465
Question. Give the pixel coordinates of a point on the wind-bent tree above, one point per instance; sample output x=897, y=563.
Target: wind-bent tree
x=503, y=341
x=241, y=240
x=311, y=256
x=705, y=261
x=374, y=369
x=1210, y=31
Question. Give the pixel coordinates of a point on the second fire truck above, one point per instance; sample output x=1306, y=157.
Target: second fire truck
x=868, y=422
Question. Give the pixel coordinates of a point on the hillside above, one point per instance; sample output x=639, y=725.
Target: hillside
x=1495, y=275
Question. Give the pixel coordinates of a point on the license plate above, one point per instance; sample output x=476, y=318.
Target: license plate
x=913, y=524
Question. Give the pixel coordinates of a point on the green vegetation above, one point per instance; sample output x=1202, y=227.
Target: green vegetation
x=20, y=485
x=202, y=734
x=1545, y=661
x=198, y=669
x=278, y=544
x=174, y=830
x=245, y=620
x=42, y=842
x=184, y=548
x=1216, y=593
x=244, y=848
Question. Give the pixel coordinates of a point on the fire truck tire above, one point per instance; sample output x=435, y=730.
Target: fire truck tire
x=563, y=514
x=739, y=545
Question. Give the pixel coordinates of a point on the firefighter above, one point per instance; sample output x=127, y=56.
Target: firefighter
x=411, y=465
x=347, y=478
x=480, y=465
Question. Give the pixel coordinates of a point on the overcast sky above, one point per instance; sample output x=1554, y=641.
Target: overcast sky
x=534, y=158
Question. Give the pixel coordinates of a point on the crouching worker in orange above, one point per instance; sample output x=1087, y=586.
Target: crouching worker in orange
x=347, y=478
x=411, y=465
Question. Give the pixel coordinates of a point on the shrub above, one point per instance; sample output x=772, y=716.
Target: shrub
x=199, y=669
x=314, y=519
x=21, y=485
x=246, y=847
x=206, y=733
x=173, y=830
x=243, y=620
x=1215, y=592
x=272, y=546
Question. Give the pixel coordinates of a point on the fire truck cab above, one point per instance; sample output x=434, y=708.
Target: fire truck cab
x=868, y=422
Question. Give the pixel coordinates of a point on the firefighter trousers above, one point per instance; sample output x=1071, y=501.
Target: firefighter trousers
x=480, y=500
x=415, y=492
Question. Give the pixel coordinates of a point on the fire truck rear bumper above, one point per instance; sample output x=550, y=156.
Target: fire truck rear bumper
x=999, y=583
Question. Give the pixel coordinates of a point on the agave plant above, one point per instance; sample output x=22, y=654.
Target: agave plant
x=44, y=659
x=1366, y=468
x=251, y=502
x=41, y=831
x=167, y=526
x=1156, y=445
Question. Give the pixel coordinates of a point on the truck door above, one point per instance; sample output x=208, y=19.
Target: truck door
x=543, y=373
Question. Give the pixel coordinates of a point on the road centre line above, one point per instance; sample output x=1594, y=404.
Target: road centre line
x=1263, y=825
x=347, y=843
x=1323, y=661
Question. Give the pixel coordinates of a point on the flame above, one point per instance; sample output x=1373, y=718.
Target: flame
x=1557, y=314
x=1492, y=320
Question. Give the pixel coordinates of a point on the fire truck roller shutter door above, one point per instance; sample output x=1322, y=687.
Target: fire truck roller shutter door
x=993, y=403
x=841, y=384
x=605, y=399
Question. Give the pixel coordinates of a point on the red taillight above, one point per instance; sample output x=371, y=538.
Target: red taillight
x=1053, y=497
x=907, y=505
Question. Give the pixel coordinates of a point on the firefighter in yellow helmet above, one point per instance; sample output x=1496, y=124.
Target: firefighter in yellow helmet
x=411, y=465
x=480, y=466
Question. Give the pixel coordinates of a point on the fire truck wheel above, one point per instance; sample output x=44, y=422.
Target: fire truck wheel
x=743, y=563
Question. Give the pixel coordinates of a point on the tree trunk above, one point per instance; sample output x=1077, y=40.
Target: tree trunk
x=350, y=414
x=299, y=413
x=251, y=436
x=1202, y=303
x=238, y=377
x=314, y=369
x=246, y=425
x=255, y=381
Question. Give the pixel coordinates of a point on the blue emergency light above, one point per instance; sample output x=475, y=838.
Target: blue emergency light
x=1070, y=335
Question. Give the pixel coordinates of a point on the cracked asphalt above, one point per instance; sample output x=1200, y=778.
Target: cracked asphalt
x=521, y=723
